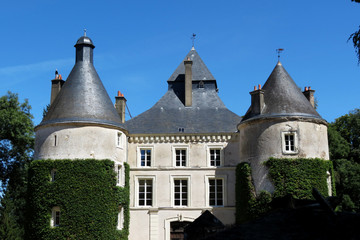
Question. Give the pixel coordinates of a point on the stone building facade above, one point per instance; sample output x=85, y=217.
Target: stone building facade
x=184, y=150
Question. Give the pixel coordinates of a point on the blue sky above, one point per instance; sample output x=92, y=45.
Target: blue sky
x=140, y=43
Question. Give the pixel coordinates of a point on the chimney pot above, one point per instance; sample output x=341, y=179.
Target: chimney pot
x=259, y=86
x=120, y=105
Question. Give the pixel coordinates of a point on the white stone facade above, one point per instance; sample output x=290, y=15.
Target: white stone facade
x=80, y=141
x=154, y=220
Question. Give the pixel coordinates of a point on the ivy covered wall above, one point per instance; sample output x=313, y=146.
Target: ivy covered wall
x=87, y=195
x=294, y=177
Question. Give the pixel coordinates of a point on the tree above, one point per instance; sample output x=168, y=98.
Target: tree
x=355, y=37
x=348, y=126
x=16, y=136
x=344, y=148
x=16, y=148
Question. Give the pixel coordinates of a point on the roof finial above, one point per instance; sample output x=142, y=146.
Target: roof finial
x=279, y=50
x=84, y=32
x=193, y=40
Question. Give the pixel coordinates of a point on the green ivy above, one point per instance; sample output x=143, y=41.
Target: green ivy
x=248, y=205
x=85, y=191
x=297, y=177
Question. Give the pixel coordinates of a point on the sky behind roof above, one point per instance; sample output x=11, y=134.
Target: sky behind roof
x=138, y=45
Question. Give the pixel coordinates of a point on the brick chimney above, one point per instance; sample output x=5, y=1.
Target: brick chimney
x=257, y=100
x=120, y=105
x=188, y=82
x=56, y=85
x=309, y=94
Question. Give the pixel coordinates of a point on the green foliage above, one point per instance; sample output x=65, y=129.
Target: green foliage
x=13, y=206
x=348, y=126
x=85, y=191
x=297, y=177
x=16, y=147
x=338, y=147
x=16, y=135
x=248, y=205
x=348, y=185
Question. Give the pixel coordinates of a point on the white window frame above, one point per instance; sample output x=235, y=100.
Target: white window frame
x=152, y=160
x=180, y=177
x=187, y=158
x=120, y=175
x=53, y=175
x=55, y=213
x=283, y=142
x=215, y=147
x=224, y=194
x=120, y=218
x=137, y=179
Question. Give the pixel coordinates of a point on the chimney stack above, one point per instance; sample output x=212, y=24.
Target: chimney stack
x=120, y=105
x=257, y=100
x=188, y=82
x=56, y=85
x=309, y=94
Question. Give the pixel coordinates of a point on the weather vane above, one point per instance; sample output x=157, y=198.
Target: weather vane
x=193, y=39
x=279, y=50
x=85, y=32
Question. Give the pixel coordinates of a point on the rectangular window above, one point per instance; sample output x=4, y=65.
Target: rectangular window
x=120, y=220
x=55, y=217
x=216, y=192
x=118, y=139
x=289, y=142
x=215, y=157
x=180, y=157
x=145, y=157
x=119, y=175
x=180, y=192
x=145, y=192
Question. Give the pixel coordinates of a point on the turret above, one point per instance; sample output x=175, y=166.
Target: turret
x=281, y=123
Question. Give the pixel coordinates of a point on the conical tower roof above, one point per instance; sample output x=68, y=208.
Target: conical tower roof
x=282, y=97
x=83, y=98
x=199, y=70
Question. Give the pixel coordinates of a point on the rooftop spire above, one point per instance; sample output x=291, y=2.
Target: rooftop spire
x=84, y=32
x=279, y=50
x=193, y=41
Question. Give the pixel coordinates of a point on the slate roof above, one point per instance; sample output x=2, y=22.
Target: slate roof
x=83, y=97
x=199, y=70
x=283, y=97
x=207, y=114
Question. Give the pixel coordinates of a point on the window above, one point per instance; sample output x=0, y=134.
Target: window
x=55, y=140
x=180, y=157
x=53, y=175
x=120, y=220
x=180, y=192
x=118, y=139
x=216, y=192
x=289, y=142
x=145, y=192
x=145, y=157
x=55, y=217
x=119, y=169
x=215, y=157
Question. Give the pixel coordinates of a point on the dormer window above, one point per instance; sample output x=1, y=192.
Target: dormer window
x=201, y=84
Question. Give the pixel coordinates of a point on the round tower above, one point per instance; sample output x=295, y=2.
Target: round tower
x=281, y=123
x=81, y=122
